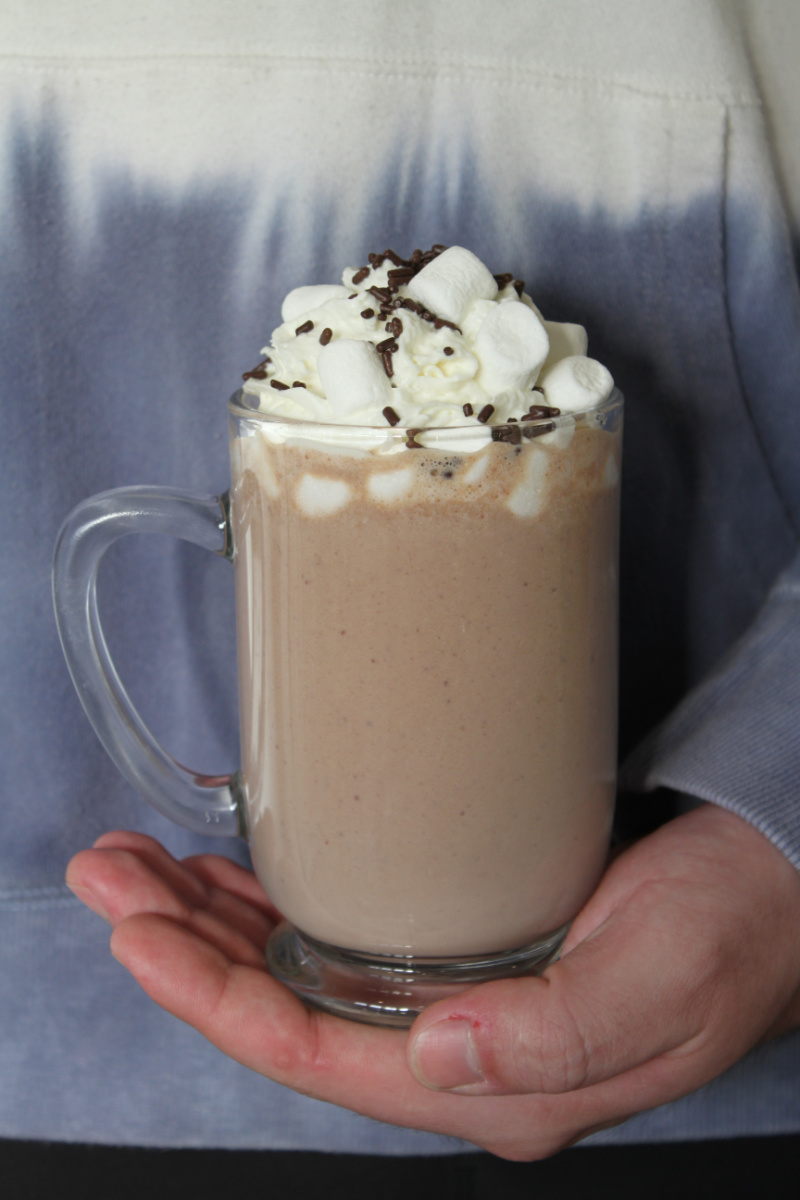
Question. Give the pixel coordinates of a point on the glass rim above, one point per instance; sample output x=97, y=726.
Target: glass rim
x=236, y=408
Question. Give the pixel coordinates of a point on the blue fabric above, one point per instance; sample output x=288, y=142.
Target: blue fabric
x=120, y=338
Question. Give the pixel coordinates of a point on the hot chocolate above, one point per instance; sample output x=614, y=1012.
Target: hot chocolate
x=427, y=663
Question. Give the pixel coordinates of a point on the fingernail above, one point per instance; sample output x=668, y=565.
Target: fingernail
x=443, y=1056
x=88, y=898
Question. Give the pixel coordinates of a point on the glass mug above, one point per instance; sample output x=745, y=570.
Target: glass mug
x=427, y=658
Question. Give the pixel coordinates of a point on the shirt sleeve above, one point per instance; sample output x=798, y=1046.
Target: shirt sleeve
x=735, y=739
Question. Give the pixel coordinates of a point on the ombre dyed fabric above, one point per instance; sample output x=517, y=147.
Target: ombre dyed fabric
x=164, y=180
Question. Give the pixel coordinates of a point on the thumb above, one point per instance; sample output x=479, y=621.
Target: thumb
x=606, y=1007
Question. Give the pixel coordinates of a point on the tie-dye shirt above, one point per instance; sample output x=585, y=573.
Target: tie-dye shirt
x=167, y=175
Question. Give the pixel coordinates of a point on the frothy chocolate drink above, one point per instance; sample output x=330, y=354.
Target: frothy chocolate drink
x=427, y=625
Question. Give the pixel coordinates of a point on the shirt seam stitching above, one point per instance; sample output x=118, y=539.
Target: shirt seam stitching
x=513, y=73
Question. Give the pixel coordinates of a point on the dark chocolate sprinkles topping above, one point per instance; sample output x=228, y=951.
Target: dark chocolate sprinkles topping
x=325, y=337
x=360, y=275
x=485, y=413
x=306, y=327
x=391, y=415
x=259, y=371
x=540, y=412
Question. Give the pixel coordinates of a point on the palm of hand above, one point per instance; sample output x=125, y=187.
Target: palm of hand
x=686, y=955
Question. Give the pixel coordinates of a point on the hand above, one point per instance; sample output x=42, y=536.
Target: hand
x=686, y=956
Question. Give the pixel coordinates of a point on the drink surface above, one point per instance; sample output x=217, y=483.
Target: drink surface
x=427, y=664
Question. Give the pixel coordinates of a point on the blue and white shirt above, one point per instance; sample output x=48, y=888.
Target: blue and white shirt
x=166, y=176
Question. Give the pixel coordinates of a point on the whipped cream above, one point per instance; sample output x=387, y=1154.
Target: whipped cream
x=435, y=341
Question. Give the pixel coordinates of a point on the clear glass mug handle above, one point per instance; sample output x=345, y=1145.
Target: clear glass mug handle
x=202, y=803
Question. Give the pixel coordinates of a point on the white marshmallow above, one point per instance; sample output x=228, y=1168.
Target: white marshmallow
x=386, y=486
x=511, y=346
x=611, y=472
x=565, y=340
x=353, y=377
x=303, y=299
x=576, y=383
x=451, y=283
x=525, y=298
x=526, y=499
x=318, y=496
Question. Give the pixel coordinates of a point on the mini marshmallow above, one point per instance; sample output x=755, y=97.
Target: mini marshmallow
x=318, y=496
x=386, y=486
x=565, y=340
x=451, y=283
x=526, y=499
x=511, y=345
x=303, y=299
x=576, y=383
x=353, y=378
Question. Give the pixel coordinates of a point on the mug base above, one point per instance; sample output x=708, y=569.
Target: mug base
x=391, y=990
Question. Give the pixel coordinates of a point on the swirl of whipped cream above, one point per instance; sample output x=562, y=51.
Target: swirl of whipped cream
x=433, y=341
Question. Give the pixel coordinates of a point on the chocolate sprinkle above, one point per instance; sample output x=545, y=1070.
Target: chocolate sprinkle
x=534, y=431
x=325, y=337
x=503, y=280
x=449, y=350
x=361, y=275
x=281, y=387
x=391, y=415
x=513, y=435
x=467, y=409
x=306, y=327
x=259, y=371
x=367, y=313
x=411, y=442
x=387, y=363
x=298, y=383
x=389, y=344
x=519, y=287
x=396, y=326
x=539, y=412
x=485, y=413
